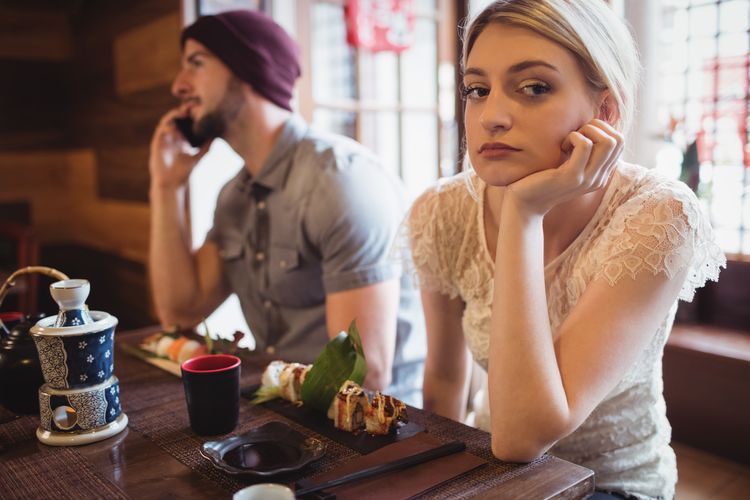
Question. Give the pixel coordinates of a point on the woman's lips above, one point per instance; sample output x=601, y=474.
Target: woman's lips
x=496, y=150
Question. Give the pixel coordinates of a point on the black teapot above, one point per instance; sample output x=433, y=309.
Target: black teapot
x=20, y=371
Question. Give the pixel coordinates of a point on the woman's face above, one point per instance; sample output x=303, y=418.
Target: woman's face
x=524, y=95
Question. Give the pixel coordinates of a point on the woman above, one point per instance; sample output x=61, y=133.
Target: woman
x=558, y=265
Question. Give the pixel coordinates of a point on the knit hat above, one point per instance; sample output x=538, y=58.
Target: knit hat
x=255, y=48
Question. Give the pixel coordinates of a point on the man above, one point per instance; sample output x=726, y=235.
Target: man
x=301, y=234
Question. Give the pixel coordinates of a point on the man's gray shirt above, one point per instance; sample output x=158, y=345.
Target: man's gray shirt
x=319, y=218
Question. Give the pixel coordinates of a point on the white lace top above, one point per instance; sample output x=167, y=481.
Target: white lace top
x=645, y=223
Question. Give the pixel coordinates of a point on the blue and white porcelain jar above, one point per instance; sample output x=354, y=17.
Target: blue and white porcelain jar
x=80, y=401
x=71, y=296
x=76, y=356
x=79, y=410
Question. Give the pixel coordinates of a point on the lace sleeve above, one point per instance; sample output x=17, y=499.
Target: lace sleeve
x=661, y=230
x=424, y=232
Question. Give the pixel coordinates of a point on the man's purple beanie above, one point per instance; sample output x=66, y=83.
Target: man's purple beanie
x=255, y=48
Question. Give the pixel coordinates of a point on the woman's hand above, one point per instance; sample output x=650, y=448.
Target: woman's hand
x=593, y=153
x=172, y=159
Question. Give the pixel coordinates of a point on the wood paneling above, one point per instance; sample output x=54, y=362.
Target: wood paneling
x=118, y=122
x=33, y=100
x=147, y=56
x=73, y=149
x=61, y=189
x=36, y=34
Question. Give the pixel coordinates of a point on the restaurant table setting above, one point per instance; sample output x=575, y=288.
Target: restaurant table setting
x=146, y=433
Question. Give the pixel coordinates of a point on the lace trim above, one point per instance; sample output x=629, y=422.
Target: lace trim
x=663, y=229
x=436, y=235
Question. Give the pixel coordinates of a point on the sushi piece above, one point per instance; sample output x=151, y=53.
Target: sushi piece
x=272, y=374
x=291, y=378
x=191, y=349
x=384, y=414
x=174, y=348
x=348, y=407
x=151, y=342
x=163, y=345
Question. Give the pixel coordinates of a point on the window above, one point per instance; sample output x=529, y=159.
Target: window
x=703, y=102
x=400, y=105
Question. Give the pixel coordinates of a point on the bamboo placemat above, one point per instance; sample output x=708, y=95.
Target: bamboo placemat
x=65, y=473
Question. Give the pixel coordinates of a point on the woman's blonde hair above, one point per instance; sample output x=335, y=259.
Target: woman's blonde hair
x=595, y=35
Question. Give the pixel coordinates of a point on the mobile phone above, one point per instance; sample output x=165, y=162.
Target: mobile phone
x=185, y=126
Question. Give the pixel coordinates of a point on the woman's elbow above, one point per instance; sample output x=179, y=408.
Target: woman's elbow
x=516, y=450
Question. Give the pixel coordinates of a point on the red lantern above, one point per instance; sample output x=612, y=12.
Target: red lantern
x=380, y=25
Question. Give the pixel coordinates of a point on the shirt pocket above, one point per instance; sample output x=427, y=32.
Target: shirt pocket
x=236, y=269
x=293, y=282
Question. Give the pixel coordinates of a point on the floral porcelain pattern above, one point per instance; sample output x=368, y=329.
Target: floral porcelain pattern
x=645, y=223
x=76, y=361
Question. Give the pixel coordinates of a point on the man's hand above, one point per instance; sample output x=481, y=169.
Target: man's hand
x=172, y=159
x=594, y=150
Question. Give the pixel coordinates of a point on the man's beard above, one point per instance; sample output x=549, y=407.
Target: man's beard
x=214, y=123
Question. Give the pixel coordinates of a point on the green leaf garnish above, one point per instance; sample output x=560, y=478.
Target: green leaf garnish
x=342, y=359
x=264, y=394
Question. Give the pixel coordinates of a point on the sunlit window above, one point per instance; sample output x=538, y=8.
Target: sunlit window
x=703, y=85
x=395, y=103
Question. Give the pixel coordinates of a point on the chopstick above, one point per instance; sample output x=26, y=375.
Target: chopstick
x=401, y=463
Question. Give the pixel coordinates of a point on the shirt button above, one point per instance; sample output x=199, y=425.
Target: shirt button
x=270, y=349
x=261, y=205
x=267, y=304
x=260, y=256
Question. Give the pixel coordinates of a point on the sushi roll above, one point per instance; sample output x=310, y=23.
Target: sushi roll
x=272, y=374
x=151, y=342
x=163, y=345
x=384, y=413
x=290, y=379
x=190, y=349
x=349, y=407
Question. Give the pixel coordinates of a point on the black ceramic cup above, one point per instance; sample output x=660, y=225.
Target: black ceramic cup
x=212, y=391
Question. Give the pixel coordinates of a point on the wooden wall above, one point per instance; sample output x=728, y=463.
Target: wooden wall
x=88, y=83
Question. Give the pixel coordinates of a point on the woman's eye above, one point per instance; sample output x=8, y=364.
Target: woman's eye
x=535, y=89
x=475, y=92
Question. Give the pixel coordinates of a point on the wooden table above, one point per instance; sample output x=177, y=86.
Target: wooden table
x=157, y=456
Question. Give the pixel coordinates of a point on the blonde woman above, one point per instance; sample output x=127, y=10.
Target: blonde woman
x=554, y=262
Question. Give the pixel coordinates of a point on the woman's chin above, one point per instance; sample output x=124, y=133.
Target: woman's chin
x=502, y=175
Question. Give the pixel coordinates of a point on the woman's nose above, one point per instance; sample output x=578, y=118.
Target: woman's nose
x=496, y=113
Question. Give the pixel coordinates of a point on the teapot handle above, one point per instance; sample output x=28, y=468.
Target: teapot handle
x=11, y=281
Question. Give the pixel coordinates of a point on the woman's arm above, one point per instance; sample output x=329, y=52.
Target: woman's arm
x=448, y=364
x=556, y=385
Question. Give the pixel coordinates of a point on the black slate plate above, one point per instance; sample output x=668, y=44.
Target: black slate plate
x=271, y=449
x=312, y=419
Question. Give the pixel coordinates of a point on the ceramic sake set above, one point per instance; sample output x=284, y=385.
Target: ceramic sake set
x=80, y=400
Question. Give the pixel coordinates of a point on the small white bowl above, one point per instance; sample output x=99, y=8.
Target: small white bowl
x=264, y=491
